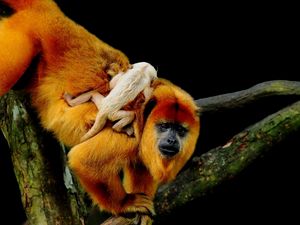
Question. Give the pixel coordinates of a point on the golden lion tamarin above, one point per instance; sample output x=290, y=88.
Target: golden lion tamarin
x=69, y=60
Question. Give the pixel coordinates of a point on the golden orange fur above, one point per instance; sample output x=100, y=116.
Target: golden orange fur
x=71, y=60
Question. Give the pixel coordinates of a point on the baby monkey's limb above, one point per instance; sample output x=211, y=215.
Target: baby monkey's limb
x=124, y=117
x=94, y=96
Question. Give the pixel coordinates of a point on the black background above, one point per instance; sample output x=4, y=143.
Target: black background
x=207, y=50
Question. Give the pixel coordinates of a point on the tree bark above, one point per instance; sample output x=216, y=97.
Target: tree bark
x=49, y=195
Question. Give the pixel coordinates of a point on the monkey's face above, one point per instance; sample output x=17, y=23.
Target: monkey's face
x=171, y=136
x=170, y=132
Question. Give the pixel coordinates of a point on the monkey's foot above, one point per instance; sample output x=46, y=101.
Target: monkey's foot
x=125, y=118
x=138, y=203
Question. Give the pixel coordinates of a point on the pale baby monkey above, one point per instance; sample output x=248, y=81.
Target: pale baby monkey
x=124, y=87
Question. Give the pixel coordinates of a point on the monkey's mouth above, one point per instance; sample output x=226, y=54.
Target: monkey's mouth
x=168, y=150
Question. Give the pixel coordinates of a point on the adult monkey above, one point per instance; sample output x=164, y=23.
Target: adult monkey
x=71, y=60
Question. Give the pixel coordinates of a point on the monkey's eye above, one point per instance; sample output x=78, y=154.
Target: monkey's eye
x=163, y=127
x=181, y=130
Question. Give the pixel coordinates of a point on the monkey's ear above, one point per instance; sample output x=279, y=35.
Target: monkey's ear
x=149, y=107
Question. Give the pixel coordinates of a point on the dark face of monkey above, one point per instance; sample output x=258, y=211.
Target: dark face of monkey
x=171, y=135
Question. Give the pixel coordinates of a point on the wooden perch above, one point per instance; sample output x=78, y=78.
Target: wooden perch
x=39, y=166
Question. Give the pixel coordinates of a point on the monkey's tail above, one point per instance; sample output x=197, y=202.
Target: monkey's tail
x=98, y=125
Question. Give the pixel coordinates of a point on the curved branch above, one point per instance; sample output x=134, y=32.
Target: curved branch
x=222, y=163
x=240, y=98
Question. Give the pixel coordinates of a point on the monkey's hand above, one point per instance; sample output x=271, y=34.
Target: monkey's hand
x=138, y=203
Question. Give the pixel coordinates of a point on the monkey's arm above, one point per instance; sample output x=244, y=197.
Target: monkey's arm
x=16, y=53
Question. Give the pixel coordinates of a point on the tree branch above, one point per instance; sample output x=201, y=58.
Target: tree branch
x=39, y=166
x=240, y=98
x=225, y=162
